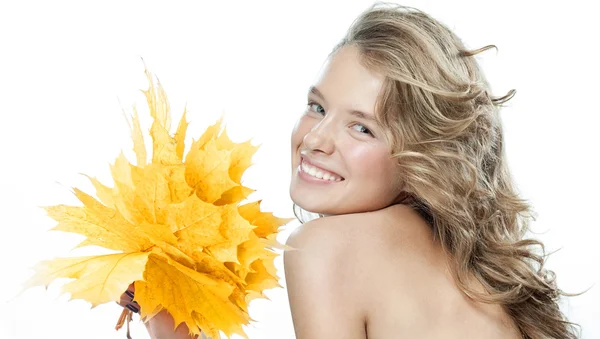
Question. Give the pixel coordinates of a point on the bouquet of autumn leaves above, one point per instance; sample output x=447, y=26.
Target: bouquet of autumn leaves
x=182, y=235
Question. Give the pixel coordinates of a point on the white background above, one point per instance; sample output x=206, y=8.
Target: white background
x=66, y=68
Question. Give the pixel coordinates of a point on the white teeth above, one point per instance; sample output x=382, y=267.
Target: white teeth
x=313, y=171
x=305, y=168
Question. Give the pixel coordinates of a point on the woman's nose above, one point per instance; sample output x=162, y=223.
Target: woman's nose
x=320, y=138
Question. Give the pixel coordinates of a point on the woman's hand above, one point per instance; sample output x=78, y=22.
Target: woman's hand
x=127, y=299
x=161, y=325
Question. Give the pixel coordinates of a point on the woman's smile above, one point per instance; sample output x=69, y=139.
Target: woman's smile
x=313, y=173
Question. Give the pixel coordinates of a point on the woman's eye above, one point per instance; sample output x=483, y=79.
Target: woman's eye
x=362, y=129
x=316, y=108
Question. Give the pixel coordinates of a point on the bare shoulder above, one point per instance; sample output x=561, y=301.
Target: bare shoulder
x=387, y=225
x=360, y=252
x=387, y=269
x=328, y=273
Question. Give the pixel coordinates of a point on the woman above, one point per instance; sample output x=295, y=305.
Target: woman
x=400, y=151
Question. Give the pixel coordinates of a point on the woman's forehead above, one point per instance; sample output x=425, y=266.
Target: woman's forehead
x=345, y=81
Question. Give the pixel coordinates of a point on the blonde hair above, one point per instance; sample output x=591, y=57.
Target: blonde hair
x=446, y=134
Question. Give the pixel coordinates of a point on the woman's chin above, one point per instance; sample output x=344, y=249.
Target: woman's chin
x=311, y=205
x=306, y=207
x=320, y=201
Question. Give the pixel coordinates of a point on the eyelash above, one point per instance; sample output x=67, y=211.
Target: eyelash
x=365, y=130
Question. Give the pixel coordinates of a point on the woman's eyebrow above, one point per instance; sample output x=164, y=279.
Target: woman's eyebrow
x=316, y=92
x=364, y=116
x=361, y=115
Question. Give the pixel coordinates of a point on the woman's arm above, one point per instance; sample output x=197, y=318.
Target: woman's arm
x=161, y=325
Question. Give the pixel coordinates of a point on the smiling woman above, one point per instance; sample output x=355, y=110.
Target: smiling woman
x=417, y=229
x=403, y=115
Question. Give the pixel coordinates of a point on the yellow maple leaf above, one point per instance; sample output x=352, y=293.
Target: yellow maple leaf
x=168, y=282
x=158, y=104
x=263, y=276
x=180, y=136
x=195, y=223
x=138, y=138
x=251, y=250
x=218, y=147
x=176, y=220
x=102, y=225
x=211, y=133
x=206, y=263
x=103, y=192
x=241, y=155
x=204, y=171
x=99, y=279
x=233, y=195
x=266, y=223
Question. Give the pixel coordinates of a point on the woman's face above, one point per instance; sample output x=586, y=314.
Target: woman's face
x=340, y=158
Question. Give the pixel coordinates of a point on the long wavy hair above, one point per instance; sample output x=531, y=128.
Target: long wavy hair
x=446, y=135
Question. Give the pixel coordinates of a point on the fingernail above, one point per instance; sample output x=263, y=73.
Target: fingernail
x=129, y=293
x=132, y=309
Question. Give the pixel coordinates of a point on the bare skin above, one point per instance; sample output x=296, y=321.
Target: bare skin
x=161, y=325
x=380, y=275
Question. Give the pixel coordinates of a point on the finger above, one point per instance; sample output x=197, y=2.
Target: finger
x=128, y=295
x=129, y=304
x=132, y=308
x=125, y=299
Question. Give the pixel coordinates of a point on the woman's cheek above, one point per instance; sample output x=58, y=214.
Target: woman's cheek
x=369, y=161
